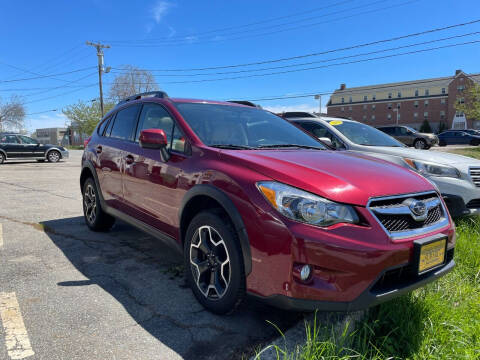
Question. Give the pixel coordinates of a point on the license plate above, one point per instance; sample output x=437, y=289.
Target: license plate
x=431, y=255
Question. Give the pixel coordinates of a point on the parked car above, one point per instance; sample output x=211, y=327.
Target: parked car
x=15, y=147
x=458, y=137
x=457, y=177
x=258, y=206
x=410, y=137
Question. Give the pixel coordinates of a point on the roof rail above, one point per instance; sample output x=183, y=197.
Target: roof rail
x=158, y=94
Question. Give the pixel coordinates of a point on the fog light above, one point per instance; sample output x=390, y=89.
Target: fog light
x=305, y=272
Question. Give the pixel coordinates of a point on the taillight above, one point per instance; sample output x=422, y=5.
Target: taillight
x=86, y=141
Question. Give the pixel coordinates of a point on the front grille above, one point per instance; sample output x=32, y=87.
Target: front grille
x=475, y=175
x=396, y=217
x=474, y=204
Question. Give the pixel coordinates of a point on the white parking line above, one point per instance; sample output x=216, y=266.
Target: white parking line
x=16, y=337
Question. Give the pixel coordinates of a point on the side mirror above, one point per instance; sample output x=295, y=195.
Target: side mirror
x=327, y=141
x=155, y=139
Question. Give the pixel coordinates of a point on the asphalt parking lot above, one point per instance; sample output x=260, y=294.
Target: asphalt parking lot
x=69, y=293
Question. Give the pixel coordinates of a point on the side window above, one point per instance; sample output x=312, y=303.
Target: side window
x=109, y=126
x=27, y=140
x=9, y=139
x=103, y=125
x=178, y=140
x=154, y=116
x=124, y=124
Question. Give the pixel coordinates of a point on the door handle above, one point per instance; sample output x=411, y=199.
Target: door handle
x=129, y=159
x=99, y=149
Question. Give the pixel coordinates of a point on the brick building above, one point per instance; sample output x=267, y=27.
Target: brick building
x=407, y=103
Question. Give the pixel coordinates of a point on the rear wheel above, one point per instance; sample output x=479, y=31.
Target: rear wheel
x=475, y=142
x=95, y=217
x=53, y=156
x=213, y=262
x=420, y=144
x=2, y=158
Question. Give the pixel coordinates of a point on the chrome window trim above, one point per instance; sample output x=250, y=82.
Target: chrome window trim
x=399, y=235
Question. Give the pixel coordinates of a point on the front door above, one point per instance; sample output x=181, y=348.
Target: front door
x=11, y=145
x=153, y=188
x=31, y=147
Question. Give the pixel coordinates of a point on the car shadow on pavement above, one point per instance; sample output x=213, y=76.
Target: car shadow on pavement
x=146, y=277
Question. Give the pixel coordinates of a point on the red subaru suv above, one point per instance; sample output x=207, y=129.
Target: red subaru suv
x=258, y=206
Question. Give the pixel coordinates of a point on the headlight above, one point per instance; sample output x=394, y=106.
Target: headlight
x=306, y=207
x=428, y=168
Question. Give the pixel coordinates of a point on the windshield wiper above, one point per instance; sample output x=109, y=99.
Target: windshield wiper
x=275, y=146
x=231, y=146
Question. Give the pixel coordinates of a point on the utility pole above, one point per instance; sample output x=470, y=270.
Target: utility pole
x=101, y=70
x=319, y=98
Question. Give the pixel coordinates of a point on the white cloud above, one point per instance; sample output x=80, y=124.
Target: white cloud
x=46, y=121
x=299, y=107
x=160, y=9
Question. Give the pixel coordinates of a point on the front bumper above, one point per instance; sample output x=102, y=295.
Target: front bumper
x=65, y=154
x=370, y=297
x=461, y=196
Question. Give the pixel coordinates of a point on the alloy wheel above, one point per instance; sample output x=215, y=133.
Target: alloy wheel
x=210, y=262
x=420, y=144
x=53, y=156
x=90, y=204
x=2, y=158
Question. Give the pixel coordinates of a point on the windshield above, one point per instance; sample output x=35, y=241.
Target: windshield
x=241, y=127
x=362, y=134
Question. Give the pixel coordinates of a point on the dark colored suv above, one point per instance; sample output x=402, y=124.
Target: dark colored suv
x=459, y=137
x=411, y=137
x=20, y=147
x=258, y=206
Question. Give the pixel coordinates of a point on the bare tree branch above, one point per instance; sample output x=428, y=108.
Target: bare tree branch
x=12, y=114
x=132, y=81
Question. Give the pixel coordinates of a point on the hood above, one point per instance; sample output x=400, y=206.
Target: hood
x=439, y=157
x=339, y=176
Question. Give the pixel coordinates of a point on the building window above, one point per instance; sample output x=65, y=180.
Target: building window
x=415, y=115
x=459, y=114
x=399, y=94
x=461, y=100
x=416, y=92
x=427, y=92
x=343, y=100
x=389, y=105
x=349, y=108
x=415, y=104
x=460, y=88
x=398, y=105
x=374, y=97
x=389, y=116
x=364, y=117
x=442, y=101
x=374, y=106
x=442, y=114
x=364, y=107
x=389, y=95
x=365, y=98
x=425, y=114
x=373, y=117
x=425, y=103
x=350, y=99
x=342, y=109
x=443, y=90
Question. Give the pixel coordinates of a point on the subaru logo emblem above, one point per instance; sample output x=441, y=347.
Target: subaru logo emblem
x=418, y=209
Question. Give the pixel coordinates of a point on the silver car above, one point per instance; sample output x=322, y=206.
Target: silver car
x=457, y=177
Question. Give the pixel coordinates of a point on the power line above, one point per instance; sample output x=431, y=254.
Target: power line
x=48, y=76
x=56, y=96
x=41, y=112
x=320, y=61
x=63, y=85
x=321, y=52
x=193, y=40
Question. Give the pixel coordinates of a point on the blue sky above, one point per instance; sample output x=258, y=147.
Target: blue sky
x=48, y=37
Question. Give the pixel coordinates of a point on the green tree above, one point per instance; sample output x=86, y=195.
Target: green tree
x=425, y=128
x=85, y=116
x=442, y=127
x=471, y=102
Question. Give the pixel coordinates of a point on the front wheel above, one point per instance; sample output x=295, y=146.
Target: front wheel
x=213, y=262
x=420, y=144
x=474, y=142
x=53, y=156
x=2, y=158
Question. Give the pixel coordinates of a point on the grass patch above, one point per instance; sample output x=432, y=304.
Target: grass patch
x=74, y=147
x=439, y=321
x=474, y=152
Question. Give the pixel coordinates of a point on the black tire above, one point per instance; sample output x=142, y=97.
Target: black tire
x=420, y=144
x=442, y=143
x=218, y=262
x=95, y=218
x=2, y=158
x=474, y=142
x=54, y=156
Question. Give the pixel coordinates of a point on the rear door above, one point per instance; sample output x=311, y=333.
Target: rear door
x=31, y=148
x=402, y=135
x=152, y=187
x=11, y=145
x=111, y=154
